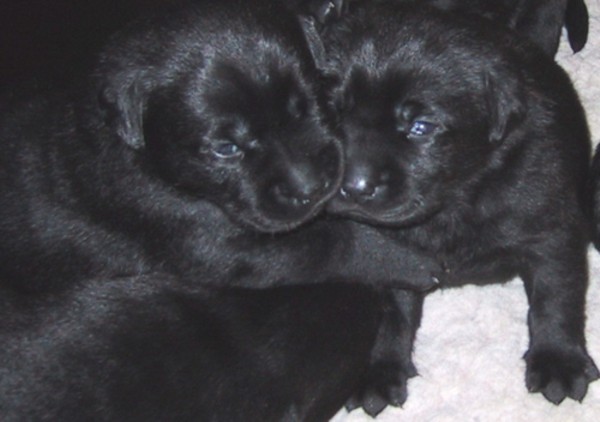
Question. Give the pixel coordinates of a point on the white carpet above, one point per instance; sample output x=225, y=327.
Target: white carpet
x=470, y=346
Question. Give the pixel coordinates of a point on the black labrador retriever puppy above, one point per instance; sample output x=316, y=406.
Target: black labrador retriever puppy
x=197, y=148
x=149, y=348
x=465, y=142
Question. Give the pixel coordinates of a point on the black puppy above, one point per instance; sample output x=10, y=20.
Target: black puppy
x=199, y=139
x=150, y=348
x=462, y=141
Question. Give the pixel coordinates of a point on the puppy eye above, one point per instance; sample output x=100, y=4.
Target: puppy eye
x=422, y=128
x=227, y=150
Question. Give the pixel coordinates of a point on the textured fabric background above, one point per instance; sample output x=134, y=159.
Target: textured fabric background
x=470, y=346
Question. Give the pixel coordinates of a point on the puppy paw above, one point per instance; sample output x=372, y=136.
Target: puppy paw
x=385, y=384
x=558, y=374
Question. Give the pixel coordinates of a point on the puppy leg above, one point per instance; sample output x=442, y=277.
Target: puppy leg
x=558, y=364
x=377, y=257
x=391, y=359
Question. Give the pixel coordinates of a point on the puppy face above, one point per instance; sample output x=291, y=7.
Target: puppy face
x=229, y=115
x=422, y=120
x=254, y=147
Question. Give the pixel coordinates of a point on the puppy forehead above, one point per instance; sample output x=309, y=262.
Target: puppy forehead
x=416, y=40
x=414, y=72
x=247, y=74
x=267, y=99
x=231, y=87
x=178, y=45
x=397, y=82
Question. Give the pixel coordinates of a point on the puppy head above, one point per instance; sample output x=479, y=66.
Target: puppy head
x=220, y=107
x=423, y=109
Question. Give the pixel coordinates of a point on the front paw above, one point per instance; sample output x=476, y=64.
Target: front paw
x=385, y=384
x=558, y=374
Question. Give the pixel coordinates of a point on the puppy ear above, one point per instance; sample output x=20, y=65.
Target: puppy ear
x=577, y=24
x=125, y=103
x=505, y=105
x=313, y=39
x=327, y=10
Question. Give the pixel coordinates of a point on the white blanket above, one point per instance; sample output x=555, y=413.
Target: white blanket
x=470, y=346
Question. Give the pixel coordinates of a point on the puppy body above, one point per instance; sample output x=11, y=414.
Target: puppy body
x=149, y=348
x=476, y=149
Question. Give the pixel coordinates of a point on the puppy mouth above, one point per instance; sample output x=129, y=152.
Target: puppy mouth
x=295, y=214
x=408, y=213
x=290, y=222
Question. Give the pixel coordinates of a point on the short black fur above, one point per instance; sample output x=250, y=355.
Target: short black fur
x=148, y=348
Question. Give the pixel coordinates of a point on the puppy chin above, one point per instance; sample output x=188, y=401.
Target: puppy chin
x=408, y=213
x=283, y=221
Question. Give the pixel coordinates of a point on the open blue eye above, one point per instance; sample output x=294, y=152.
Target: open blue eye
x=422, y=128
x=226, y=150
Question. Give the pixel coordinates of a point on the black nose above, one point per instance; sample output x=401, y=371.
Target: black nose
x=363, y=183
x=301, y=188
x=288, y=196
x=358, y=188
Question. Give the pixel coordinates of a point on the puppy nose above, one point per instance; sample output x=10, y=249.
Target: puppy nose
x=358, y=189
x=289, y=195
x=301, y=189
x=363, y=183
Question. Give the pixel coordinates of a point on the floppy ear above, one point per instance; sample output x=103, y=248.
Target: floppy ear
x=314, y=41
x=125, y=103
x=126, y=89
x=326, y=10
x=577, y=24
x=505, y=105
